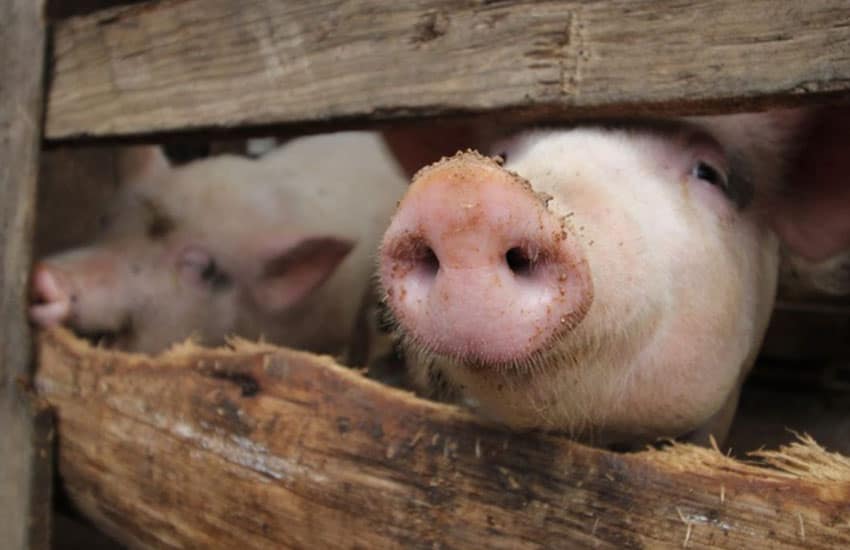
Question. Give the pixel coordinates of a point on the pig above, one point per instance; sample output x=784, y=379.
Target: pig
x=818, y=267
x=610, y=280
x=281, y=247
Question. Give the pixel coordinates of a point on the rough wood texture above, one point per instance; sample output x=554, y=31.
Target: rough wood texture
x=58, y=9
x=24, y=483
x=193, y=64
x=264, y=447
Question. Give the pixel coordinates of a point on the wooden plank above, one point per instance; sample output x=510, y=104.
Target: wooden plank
x=207, y=64
x=24, y=445
x=263, y=447
x=60, y=9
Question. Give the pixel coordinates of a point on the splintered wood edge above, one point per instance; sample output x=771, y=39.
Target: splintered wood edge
x=189, y=354
x=800, y=495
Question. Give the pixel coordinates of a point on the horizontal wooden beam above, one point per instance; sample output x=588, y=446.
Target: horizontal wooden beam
x=60, y=9
x=267, y=447
x=218, y=64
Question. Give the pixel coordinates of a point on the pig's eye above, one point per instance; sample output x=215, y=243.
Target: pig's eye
x=710, y=174
x=214, y=276
x=197, y=267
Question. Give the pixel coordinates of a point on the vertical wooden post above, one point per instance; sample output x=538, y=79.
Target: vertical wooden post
x=24, y=448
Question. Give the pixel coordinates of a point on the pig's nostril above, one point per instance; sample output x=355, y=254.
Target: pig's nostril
x=424, y=261
x=417, y=255
x=428, y=262
x=519, y=261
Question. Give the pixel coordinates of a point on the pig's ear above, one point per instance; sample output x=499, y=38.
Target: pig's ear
x=286, y=277
x=141, y=161
x=813, y=217
x=417, y=146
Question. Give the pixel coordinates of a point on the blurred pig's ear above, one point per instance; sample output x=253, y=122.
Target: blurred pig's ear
x=288, y=276
x=141, y=161
x=417, y=146
x=813, y=217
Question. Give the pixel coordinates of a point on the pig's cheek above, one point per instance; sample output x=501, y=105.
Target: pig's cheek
x=694, y=361
x=626, y=241
x=620, y=266
x=689, y=382
x=643, y=322
x=98, y=300
x=156, y=316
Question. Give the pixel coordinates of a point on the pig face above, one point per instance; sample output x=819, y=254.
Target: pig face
x=613, y=282
x=229, y=246
x=137, y=291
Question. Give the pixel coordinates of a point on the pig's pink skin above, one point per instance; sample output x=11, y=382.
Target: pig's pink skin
x=132, y=288
x=470, y=214
x=811, y=225
x=281, y=248
x=683, y=285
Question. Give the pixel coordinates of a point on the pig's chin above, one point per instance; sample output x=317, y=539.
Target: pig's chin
x=578, y=386
x=568, y=390
x=486, y=367
x=505, y=358
x=520, y=394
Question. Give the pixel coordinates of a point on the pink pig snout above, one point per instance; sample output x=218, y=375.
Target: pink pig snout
x=51, y=296
x=80, y=286
x=474, y=265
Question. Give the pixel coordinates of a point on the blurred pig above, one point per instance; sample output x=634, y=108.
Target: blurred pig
x=816, y=260
x=281, y=247
x=613, y=281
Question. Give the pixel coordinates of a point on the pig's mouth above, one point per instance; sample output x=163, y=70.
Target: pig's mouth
x=514, y=372
x=118, y=338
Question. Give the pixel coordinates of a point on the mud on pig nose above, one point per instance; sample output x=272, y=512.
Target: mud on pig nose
x=476, y=267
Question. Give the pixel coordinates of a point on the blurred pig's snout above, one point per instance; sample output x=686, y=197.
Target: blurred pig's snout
x=78, y=287
x=50, y=296
x=476, y=267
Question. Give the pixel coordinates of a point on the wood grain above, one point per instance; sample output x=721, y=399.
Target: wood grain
x=60, y=9
x=24, y=438
x=263, y=447
x=183, y=65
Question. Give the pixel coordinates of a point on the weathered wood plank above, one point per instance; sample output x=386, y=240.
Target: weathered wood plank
x=58, y=9
x=24, y=434
x=265, y=447
x=195, y=64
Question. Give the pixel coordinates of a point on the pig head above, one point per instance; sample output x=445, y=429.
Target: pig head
x=613, y=281
x=280, y=248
